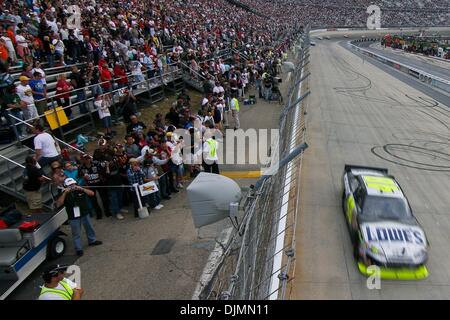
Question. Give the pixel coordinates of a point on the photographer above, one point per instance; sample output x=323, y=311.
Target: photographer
x=75, y=199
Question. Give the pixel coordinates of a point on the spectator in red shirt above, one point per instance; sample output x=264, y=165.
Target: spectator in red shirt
x=63, y=93
x=11, y=35
x=105, y=78
x=120, y=75
x=101, y=63
x=3, y=52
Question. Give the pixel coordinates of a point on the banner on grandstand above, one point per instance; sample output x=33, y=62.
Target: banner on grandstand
x=54, y=122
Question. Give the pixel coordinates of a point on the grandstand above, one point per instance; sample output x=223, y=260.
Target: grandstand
x=163, y=37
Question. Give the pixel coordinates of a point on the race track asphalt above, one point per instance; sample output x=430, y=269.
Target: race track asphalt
x=360, y=114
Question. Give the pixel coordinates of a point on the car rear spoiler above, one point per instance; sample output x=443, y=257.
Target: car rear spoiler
x=350, y=167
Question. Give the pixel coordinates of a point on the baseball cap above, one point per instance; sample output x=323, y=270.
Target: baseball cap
x=54, y=269
x=69, y=182
x=23, y=78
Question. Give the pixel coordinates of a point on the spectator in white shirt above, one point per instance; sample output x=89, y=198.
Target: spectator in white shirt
x=45, y=147
x=59, y=48
x=25, y=94
x=218, y=89
x=136, y=71
x=37, y=68
x=63, y=32
x=52, y=24
x=102, y=103
x=22, y=47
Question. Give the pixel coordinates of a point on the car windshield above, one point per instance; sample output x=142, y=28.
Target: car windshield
x=386, y=208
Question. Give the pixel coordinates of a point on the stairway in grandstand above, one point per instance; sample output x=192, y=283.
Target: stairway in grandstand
x=11, y=174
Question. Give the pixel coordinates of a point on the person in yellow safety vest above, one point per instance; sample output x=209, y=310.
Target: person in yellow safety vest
x=210, y=157
x=57, y=287
x=234, y=106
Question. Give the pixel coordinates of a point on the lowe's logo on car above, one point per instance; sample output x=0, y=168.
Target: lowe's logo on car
x=393, y=233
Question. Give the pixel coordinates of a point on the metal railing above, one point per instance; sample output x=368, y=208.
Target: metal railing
x=15, y=71
x=136, y=87
x=191, y=71
x=257, y=261
x=18, y=165
x=422, y=75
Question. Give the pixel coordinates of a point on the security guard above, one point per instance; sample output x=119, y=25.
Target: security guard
x=57, y=287
x=234, y=106
x=210, y=157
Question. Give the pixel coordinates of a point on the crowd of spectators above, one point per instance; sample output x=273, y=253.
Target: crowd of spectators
x=330, y=13
x=122, y=40
x=117, y=42
x=155, y=33
x=156, y=151
x=158, y=33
